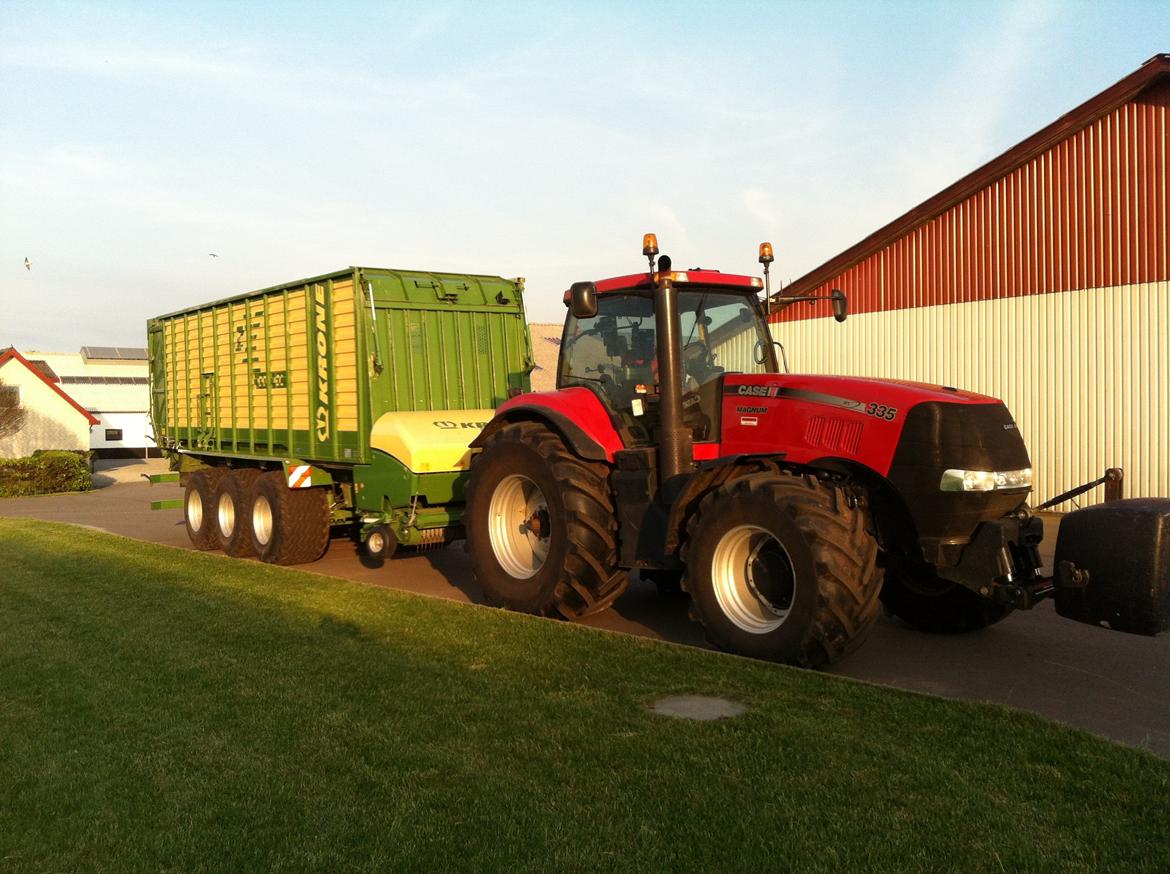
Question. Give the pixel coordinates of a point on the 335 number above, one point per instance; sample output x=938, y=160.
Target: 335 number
x=881, y=411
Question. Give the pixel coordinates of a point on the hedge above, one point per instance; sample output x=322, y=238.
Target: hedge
x=46, y=473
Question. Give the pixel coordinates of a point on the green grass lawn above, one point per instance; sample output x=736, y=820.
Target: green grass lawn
x=166, y=710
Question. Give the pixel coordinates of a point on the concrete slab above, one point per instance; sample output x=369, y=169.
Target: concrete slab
x=1115, y=685
x=703, y=708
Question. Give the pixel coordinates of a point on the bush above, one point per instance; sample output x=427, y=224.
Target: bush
x=86, y=455
x=45, y=473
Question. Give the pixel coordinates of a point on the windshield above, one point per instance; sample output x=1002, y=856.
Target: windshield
x=615, y=351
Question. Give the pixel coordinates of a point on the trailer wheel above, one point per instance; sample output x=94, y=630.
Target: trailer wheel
x=289, y=526
x=925, y=602
x=541, y=526
x=784, y=568
x=199, y=508
x=233, y=508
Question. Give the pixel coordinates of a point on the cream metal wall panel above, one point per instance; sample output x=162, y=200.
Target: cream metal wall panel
x=1086, y=373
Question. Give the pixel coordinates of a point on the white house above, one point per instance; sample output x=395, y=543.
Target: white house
x=52, y=418
x=113, y=384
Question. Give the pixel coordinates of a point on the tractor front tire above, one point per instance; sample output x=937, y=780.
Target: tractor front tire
x=924, y=601
x=784, y=568
x=541, y=526
x=233, y=510
x=288, y=526
x=199, y=508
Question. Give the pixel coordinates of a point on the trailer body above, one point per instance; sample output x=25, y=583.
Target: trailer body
x=373, y=380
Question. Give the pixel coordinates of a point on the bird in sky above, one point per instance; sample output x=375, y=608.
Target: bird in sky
x=212, y=255
x=27, y=264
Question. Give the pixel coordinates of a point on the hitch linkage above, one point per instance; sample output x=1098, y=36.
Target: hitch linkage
x=1112, y=480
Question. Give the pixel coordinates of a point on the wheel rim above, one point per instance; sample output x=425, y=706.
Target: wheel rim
x=262, y=520
x=518, y=525
x=376, y=544
x=753, y=579
x=225, y=513
x=194, y=510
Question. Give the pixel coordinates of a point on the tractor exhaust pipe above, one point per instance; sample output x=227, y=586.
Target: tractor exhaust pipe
x=674, y=444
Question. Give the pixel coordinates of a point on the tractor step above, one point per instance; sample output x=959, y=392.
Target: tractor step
x=159, y=478
x=173, y=504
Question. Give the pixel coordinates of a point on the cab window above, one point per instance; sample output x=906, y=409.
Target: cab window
x=615, y=354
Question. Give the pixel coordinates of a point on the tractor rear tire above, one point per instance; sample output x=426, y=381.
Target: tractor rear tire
x=541, y=526
x=233, y=511
x=783, y=567
x=925, y=602
x=199, y=507
x=288, y=526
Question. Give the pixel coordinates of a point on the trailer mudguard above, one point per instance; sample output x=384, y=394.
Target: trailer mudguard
x=576, y=413
x=429, y=441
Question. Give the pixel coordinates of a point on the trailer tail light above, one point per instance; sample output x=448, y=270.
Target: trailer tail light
x=954, y=480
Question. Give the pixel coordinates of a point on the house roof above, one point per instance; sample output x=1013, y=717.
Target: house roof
x=43, y=367
x=1068, y=124
x=546, y=349
x=113, y=353
x=11, y=354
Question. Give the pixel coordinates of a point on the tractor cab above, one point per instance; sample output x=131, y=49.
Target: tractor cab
x=614, y=351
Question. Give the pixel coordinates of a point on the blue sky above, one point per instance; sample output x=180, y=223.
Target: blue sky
x=538, y=140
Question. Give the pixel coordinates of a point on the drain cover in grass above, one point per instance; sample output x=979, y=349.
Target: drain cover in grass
x=702, y=707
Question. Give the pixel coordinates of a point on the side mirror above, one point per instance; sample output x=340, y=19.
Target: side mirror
x=583, y=300
x=840, y=304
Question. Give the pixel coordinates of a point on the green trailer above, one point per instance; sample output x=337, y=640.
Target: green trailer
x=344, y=399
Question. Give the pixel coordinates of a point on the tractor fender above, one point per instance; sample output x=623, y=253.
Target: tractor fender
x=577, y=414
x=711, y=475
x=891, y=516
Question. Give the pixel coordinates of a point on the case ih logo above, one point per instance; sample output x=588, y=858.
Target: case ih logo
x=322, y=364
x=759, y=391
x=814, y=397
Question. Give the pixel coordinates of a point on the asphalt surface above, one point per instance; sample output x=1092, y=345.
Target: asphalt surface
x=1115, y=685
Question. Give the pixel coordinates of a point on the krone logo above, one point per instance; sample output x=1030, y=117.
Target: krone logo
x=322, y=366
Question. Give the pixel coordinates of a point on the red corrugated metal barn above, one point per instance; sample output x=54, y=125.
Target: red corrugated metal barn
x=1040, y=278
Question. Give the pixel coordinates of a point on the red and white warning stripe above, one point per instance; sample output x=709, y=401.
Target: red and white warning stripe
x=300, y=477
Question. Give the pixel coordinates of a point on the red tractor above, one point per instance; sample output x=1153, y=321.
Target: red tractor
x=789, y=507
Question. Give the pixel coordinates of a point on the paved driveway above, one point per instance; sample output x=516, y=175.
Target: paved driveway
x=1115, y=685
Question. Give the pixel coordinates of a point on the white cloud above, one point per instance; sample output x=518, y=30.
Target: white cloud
x=760, y=204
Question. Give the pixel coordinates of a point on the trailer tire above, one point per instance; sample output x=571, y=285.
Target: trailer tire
x=199, y=507
x=233, y=511
x=541, y=525
x=783, y=567
x=288, y=526
x=939, y=606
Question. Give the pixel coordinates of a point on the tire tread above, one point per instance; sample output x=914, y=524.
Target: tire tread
x=844, y=551
x=591, y=580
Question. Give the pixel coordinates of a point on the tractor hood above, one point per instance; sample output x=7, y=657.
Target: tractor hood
x=864, y=421
x=851, y=392
x=909, y=433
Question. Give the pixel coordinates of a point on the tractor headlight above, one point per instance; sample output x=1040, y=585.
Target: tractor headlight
x=954, y=480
